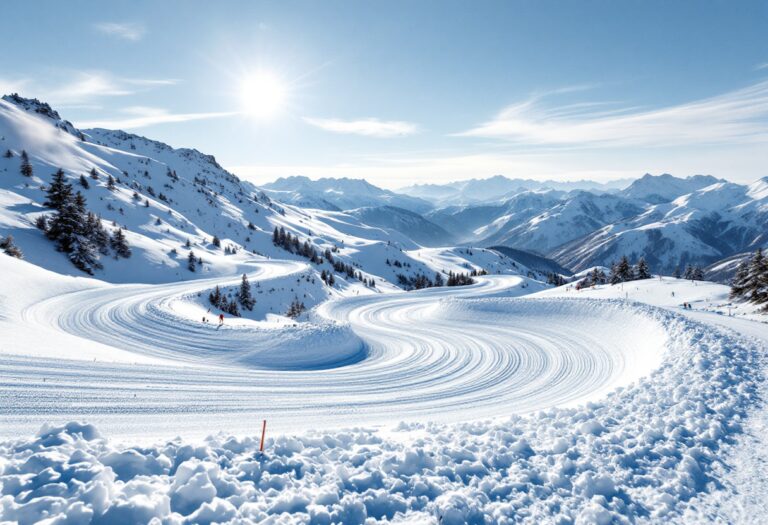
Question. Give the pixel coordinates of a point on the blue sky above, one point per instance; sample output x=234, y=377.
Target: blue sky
x=414, y=91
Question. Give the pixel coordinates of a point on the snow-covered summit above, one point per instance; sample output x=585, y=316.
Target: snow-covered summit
x=656, y=189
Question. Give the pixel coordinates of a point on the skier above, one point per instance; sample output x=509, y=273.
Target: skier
x=221, y=319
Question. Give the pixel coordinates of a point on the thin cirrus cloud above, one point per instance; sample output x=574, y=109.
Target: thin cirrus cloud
x=142, y=117
x=84, y=86
x=123, y=30
x=370, y=127
x=738, y=116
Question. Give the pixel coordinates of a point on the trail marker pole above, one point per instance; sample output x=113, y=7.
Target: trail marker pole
x=263, y=432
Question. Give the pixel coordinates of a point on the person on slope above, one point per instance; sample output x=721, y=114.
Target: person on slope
x=221, y=319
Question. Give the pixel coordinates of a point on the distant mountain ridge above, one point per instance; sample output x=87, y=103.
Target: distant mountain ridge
x=497, y=189
x=339, y=194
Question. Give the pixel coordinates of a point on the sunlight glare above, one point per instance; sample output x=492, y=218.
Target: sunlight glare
x=262, y=95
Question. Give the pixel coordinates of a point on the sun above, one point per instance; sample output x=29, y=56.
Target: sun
x=262, y=95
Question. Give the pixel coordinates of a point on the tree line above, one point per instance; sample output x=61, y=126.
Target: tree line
x=76, y=231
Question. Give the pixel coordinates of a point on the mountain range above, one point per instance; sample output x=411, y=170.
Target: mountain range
x=167, y=196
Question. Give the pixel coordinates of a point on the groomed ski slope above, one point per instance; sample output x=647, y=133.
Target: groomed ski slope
x=448, y=354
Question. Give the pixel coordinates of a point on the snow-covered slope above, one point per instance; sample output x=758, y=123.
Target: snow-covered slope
x=339, y=194
x=658, y=450
x=574, y=216
x=406, y=222
x=172, y=201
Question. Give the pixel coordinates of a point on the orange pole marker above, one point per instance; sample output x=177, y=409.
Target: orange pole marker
x=263, y=432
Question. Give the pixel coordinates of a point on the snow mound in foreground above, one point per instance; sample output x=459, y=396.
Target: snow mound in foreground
x=643, y=454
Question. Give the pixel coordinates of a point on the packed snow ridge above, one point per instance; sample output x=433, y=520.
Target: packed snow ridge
x=647, y=452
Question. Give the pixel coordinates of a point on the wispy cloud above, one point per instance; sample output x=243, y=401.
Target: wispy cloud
x=124, y=30
x=142, y=117
x=81, y=88
x=764, y=65
x=370, y=127
x=733, y=117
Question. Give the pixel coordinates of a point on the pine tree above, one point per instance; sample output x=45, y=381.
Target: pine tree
x=757, y=282
x=84, y=254
x=216, y=241
x=26, y=167
x=9, y=248
x=597, y=276
x=8, y=154
x=94, y=174
x=119, y=244
x=741, y=280
x=215, y=297
x=295, y=309
x=110, y=182
x=244, y=295
x=84, y=182
x=439, y=281
x=191, y=261
x=59, y=191
x=614, y=277
x=98, y=233
x=642, y=271
x=232, y=308
x=67, y=223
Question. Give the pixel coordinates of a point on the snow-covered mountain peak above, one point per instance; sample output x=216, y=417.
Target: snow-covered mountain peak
x=656, y=189
x=758, y=190
x=43, y=109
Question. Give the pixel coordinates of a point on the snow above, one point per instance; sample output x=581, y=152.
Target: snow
x=651, y=451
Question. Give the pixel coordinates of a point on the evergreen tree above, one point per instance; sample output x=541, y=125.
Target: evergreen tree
x=98, y=233
x=94, y=174
x=191, y=261
x=439, y=281
x=216, y=241
x=614, y=277
x=84, y=254
x=84, y=182
x=232, y=308
x=677, y=273
x=9, y=248
x=642, y=271
x=215, y=297
x=741, y=280
x=110, y=182
x=26, y=167
x=67, y=223
x=296, y=308
x=8, y=154
x=119, y=244
x=59, y=191
x=244, y=295
x=597, y=276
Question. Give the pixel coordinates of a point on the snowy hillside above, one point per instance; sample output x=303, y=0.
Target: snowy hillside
x=406, y=222
x=170, y=203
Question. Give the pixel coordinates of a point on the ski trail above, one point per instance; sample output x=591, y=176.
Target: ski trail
x=443, y=354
